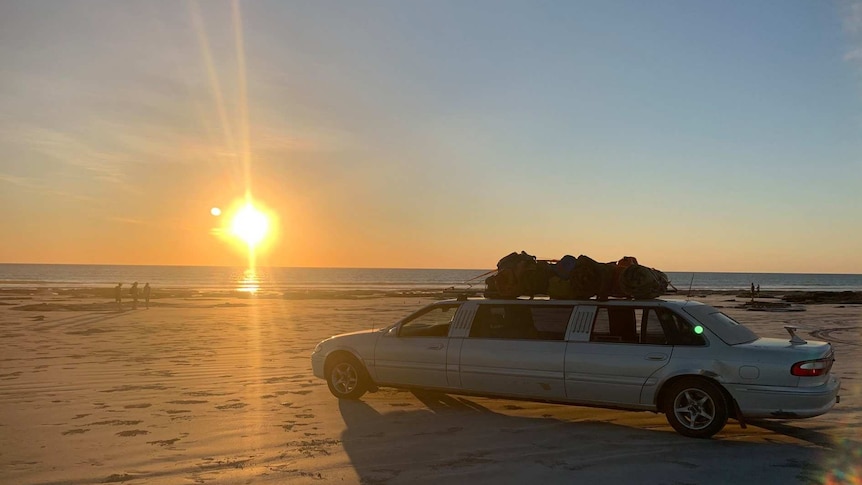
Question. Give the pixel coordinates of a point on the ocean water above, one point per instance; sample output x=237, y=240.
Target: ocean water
x=275, y=279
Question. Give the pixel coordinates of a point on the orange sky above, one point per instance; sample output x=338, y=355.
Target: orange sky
x=430, y=136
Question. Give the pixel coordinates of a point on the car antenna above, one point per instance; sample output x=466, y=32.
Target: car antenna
x=690, y=283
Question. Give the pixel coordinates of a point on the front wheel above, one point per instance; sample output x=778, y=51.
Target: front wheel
x=346, y=378
x=696, y=408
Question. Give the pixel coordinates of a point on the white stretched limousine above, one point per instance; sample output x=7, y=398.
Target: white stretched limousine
x=682, y=358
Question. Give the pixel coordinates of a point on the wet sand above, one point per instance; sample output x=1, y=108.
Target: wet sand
x=218, y=389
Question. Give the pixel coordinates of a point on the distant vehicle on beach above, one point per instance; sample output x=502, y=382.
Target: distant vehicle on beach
x=685, y=359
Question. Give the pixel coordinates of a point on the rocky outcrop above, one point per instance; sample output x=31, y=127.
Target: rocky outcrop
x=834, y=297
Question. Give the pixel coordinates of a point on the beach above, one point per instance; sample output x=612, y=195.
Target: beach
x=217, y=388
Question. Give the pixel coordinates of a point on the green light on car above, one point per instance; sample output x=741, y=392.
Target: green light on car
x=698, y=329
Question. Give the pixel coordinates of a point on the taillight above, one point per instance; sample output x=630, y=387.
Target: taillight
x=811, y=368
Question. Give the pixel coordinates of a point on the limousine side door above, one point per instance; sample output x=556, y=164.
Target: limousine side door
x=516, y=349
x=413, y=353
x=611, y=365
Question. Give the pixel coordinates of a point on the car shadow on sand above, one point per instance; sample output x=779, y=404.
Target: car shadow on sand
x=813, y=436
x=455, y=439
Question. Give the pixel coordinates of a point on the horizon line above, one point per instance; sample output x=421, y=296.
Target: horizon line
x=385, y=267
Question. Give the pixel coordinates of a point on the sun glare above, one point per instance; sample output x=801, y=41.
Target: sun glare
x=250, y=225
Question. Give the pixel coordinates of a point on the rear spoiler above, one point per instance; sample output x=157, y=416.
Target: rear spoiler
x=794, y=339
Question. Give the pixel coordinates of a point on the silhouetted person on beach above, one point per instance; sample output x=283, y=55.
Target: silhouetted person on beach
x=134, y=292
x=118, y=294
x=147, y=295
x=752, y=292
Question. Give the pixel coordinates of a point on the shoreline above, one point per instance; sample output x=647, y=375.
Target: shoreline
x=102, y=298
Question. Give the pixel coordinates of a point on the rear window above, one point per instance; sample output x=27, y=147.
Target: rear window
x=727, y=329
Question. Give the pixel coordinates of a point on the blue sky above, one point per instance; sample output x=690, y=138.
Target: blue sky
x=696, y=135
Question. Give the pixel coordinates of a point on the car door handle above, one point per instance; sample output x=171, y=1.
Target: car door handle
x=656, y=356
x=436, y=347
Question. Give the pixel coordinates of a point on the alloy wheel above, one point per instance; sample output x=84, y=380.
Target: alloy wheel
x=344, y=377
x=694, y=408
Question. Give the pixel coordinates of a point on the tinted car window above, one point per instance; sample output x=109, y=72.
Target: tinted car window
x=524, y=322
x=615, y=324
x=679, y=331
x=653, y=326
x=726, y=328
x=663, y=327
x=551, y=321
x=653, y=331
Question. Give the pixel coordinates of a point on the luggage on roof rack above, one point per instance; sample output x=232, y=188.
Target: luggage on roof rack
x=522, y=274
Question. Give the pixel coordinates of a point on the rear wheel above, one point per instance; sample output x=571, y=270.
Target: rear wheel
x=696, y=408
x=346, y=378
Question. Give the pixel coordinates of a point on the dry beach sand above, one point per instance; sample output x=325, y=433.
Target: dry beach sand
x=219, y=389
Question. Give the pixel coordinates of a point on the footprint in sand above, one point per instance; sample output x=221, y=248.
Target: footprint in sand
x=205, y=393
x=132, y=432
x=238, y=405
x=126, y=388
x=137, y=406
x=163, y=442
x=116, y=478
x=117, y=422
x=75, y=431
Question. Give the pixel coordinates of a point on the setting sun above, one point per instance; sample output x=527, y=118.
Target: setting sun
x=250, y=225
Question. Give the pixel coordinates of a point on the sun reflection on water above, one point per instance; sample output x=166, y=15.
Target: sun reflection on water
x=250, y=282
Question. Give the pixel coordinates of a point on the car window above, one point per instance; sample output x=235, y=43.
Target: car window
x=652, y=326
x=615, y=324
x=524, y=322
x=727, y=329
x=433, y=322
x=663, y=327
x=678, y=330
x=551, y=321
x=653, y=332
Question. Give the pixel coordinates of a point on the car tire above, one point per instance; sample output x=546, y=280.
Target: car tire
x=346, y=378
x=696, y=408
